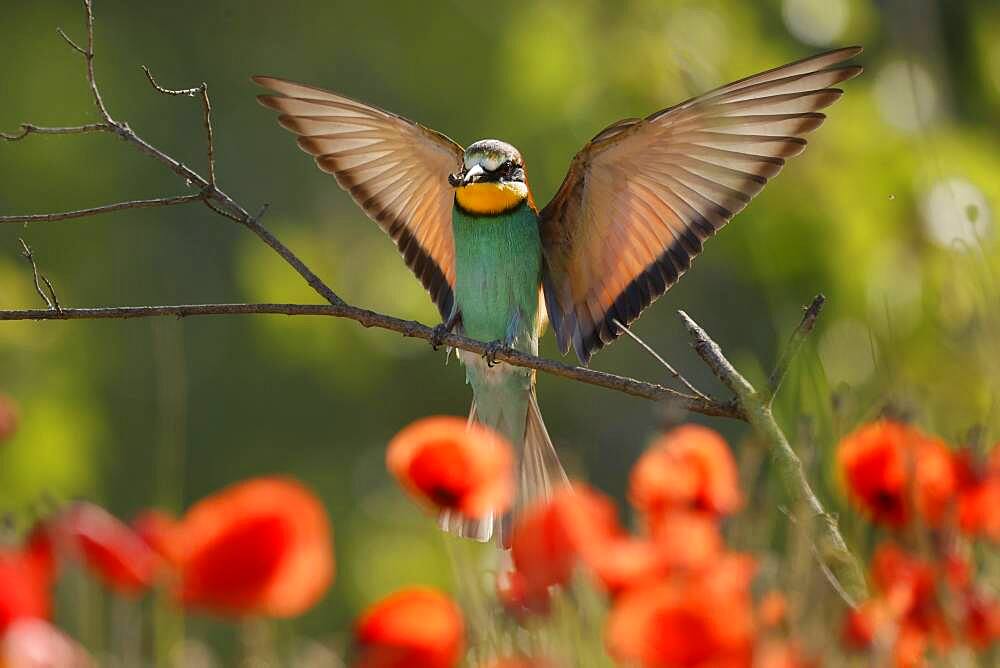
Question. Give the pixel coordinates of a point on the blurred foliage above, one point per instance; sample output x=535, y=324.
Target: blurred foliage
x=133, y=413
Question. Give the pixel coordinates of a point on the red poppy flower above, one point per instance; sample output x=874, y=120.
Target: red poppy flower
x=688, y=468
x=626, y=562
x=413, y=628
x=8, y=417
x=261, y=547
x=687, y=539
x=980, y=497
x=982, y=620
x=445, y=462
x=520, y=601
x=551, y=537
x=111, y=550
x=34, y=643
x=701, y=619
x=886, y=464
x=26, y=576
x=159, y=531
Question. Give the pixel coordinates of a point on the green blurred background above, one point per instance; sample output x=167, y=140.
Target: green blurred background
x=890, y=213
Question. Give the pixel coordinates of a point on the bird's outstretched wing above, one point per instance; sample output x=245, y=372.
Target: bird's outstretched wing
x=395, y=169
x=641, y=198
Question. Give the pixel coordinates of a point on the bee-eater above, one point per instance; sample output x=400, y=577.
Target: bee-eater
x=637, y=203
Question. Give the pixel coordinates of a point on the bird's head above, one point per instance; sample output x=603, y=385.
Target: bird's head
x=491, y=180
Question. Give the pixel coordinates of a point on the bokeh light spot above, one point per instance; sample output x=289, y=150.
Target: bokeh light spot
x=907, y=96
x=955, y=213
x=816, y=22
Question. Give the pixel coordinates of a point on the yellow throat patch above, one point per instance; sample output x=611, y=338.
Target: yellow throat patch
x=490, y=197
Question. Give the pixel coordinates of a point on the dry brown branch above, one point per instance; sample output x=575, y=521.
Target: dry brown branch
x=408, y=328
x=97, y=210
x=30, y=128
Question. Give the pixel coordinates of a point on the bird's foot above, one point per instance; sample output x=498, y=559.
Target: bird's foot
x=439, y=332
x=492, y=348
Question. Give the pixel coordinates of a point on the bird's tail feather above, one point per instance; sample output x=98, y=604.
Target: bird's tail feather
x=540, y=473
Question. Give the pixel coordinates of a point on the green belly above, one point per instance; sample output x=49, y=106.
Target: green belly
x=498, y=264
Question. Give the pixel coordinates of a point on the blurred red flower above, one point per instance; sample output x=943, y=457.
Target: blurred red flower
x=413, y=628
x=26, y=575
x=687, y=539
x=260, y=547
x=445, y=462
x=8, y=417
x=885, y=464
x=112, y=551
x=909, y=614
x=979, y=498
x=34, y=643
x=626, y=562
x=518, y=600
x=551, y=537
x=159, y=531
x=687, y=468
x=700, y=619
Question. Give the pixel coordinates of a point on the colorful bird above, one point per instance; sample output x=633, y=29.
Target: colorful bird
x=636, y=206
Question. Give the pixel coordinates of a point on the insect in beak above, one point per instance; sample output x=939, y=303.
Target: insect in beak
x=473, y=174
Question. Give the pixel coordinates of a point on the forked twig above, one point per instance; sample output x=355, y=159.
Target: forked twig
x=50, y=299
x=206, y=105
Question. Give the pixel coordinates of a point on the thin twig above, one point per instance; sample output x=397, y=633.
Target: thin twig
x=831, y=549
x=76, y=47
x=662, y=361
x=206, y=105
x=408, y=328
x=107, y=208
x=30, y=128
x=50, y=299
x=795, y=342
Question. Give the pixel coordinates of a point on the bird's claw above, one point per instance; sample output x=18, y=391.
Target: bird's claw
x=438, y=334
x=490, y=354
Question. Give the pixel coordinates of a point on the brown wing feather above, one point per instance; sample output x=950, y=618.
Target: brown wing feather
x=395, y=169
x=641, y=198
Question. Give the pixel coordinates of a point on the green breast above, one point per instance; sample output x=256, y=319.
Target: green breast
x=498, y=265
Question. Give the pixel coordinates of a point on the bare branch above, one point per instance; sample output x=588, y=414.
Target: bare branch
x=662, y=361
x=408, y=328
x=806, y=325
x=107, y=208
x=206, y=105
x=217, y=200
x=29, y=128
x=50, y=299
x=835, y=557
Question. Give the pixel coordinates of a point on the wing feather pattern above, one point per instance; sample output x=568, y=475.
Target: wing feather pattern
x=395, y=169
x=642, y=197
